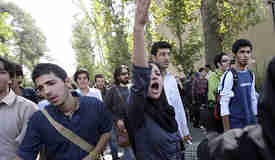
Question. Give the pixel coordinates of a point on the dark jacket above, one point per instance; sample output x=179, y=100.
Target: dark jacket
x=113, y=102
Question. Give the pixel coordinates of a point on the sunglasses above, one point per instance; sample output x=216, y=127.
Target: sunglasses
x=243, y=51
x=225, y=60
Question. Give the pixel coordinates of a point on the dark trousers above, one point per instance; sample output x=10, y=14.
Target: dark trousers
x=210, y=123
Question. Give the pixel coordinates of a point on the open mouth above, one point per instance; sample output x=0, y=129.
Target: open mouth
x=155, y=86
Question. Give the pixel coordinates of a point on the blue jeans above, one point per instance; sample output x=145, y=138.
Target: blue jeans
x=128, y=154
x=113, y=144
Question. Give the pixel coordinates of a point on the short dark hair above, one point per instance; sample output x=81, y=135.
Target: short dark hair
x=117, y=73
x=99, y=76
x=241, y=43
x=19, y=70
x=201, y=69
x=218, y=59
x=159, y=45
x=81, y=71
x=8, y=66
x=47, y=68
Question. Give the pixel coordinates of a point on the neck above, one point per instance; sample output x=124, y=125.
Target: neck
x=240, y=67
x=123, y=85
x=70, y=104
x=84, y=90
x=4, y=93
x=18, y=91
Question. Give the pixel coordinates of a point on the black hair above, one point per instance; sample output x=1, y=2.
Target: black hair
x=117, y=72
x=218, y=59
x=201, y=69
x=99, y=76
x=81, y=71
x=47, y=68
x=19, y=70
x=159, y=45
x=8, y=66
x=241, y=43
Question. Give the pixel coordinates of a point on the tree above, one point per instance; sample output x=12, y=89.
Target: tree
x=224, y=20
x=5, y=33
x=183, y=19
x=29, y=43
x=109, y=31
x=81, y=43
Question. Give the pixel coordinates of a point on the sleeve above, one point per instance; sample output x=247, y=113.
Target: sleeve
x=31, y=144
x=99, y=96
x=226, y=93
x=254, y=99
x=106, y=120
x=138, y=94
x=180, y=113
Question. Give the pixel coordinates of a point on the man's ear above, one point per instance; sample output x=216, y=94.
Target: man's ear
x=68, y=82
x=154, y=58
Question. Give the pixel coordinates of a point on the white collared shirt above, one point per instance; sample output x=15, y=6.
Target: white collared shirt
x=93, y=92
x=174, y=99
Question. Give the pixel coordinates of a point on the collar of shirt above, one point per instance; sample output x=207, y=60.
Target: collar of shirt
x=9, y=99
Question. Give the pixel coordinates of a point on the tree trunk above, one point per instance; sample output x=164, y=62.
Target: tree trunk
x=212, y=41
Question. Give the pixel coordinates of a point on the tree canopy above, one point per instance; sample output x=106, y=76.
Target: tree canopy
x=194, y=27
x=27, y=43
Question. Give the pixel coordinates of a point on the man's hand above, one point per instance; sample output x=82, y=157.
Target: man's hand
x=187, y=138
x=142, y=12
x=121, y=125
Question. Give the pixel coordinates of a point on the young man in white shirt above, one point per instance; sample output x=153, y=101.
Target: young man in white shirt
x=161, y=55
x=238, y=94
x=82, y=79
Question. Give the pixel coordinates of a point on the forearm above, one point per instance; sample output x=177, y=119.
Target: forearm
x=139, y=56
x=102, y=142
x=141, y=18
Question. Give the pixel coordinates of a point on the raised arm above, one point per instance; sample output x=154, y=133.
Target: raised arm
x=141, y=18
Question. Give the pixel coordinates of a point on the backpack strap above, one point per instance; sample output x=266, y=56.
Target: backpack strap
x=68, y=134
x=235, y=77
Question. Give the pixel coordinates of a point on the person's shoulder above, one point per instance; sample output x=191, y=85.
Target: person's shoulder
x=88, y=100
x=94, y=90
x=25, y=103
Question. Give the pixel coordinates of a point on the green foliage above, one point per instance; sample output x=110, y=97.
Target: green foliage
x=81, y=43
x=224, y=20
x=109, y=26
x=28, y=42
x=236, y=17
x=5, y=33
x=182, y=17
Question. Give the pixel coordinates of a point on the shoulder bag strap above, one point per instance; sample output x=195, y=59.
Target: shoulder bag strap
x=119, y=94
x=67, y=133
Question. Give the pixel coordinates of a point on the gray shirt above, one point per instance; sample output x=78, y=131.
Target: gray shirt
x=15, y=112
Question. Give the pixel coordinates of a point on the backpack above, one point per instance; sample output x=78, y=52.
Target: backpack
x=217, y=106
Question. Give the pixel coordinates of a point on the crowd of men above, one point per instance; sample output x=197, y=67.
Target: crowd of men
x=62, y=121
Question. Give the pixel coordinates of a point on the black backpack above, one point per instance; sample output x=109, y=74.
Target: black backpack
x=217, y=106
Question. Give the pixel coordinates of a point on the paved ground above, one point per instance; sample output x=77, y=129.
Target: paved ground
x=197, y=135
